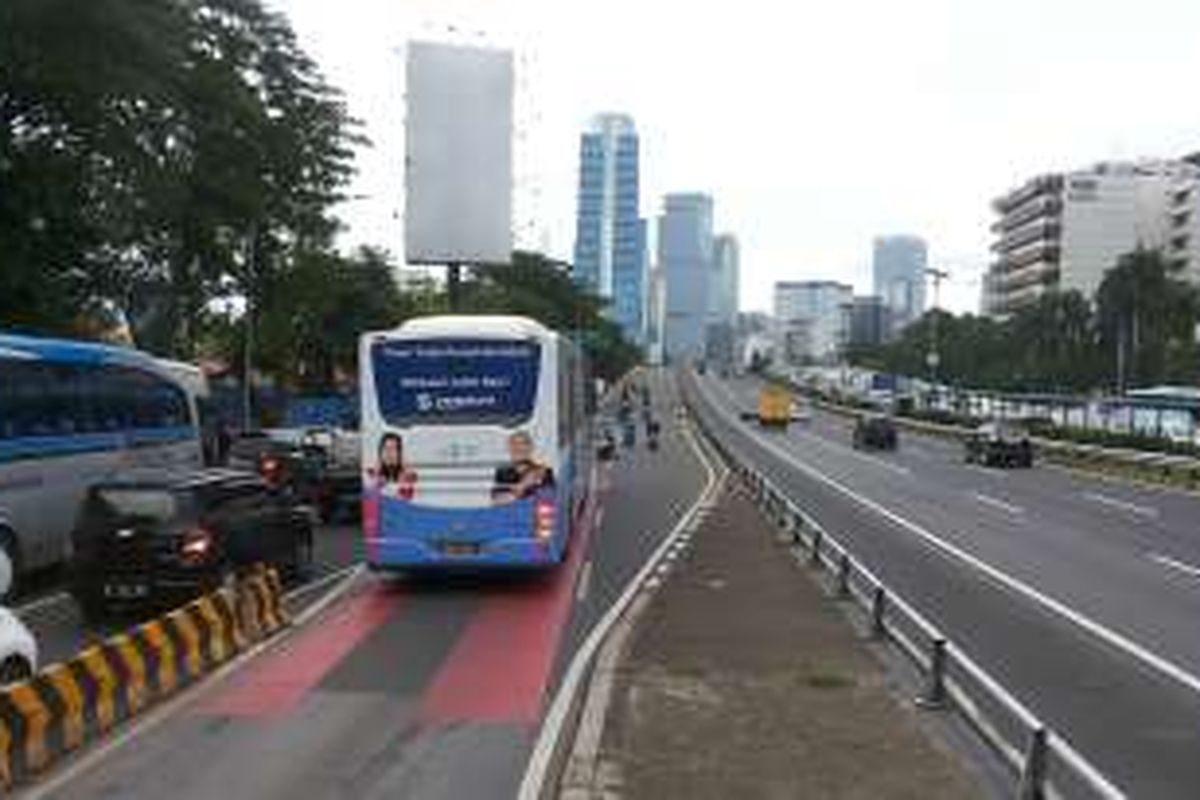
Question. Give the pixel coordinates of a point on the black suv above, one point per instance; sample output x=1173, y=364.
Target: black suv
x=146, y=541
x=301, y=469
x=999, y=444
x=874, y=432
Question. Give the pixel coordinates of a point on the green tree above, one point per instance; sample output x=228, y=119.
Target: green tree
x=1146, y=319
x=156, y=154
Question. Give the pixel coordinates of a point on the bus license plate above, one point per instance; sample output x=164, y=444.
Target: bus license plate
x=461, y=548
x=126, y=591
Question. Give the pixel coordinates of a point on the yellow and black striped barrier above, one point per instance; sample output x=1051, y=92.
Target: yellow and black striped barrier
x=69, y=704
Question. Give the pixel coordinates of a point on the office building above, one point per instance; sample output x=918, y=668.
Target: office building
x=723, y=293
x=1183, y=218
x=898, y=266
x=812, y=320
x=685, y=254
x=610, y=236
x=1063, y=231
x=870, y=321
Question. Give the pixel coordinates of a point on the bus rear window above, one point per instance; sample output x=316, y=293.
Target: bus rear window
x=456, y=381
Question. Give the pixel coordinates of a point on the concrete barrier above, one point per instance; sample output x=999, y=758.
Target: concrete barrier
x=69, y=704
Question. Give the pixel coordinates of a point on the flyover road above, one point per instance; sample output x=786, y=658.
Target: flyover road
x=401, y=688
x=1080, y=594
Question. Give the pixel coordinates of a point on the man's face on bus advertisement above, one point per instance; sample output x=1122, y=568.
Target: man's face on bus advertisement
x=520, y=447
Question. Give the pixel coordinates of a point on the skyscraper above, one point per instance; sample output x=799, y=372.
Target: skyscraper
x=723, y=296
x=899, y=269
x=685, y=253
x=610, y=243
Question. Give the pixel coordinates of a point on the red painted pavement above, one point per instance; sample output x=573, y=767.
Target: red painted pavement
x=276, y=683
x=498, y=669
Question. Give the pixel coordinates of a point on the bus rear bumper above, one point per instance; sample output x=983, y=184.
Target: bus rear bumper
x=410, y=553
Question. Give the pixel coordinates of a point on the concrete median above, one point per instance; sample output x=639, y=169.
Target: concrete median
x=69, y=704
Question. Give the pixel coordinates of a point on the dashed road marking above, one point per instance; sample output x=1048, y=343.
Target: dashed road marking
x=994, y=502
x=1171, y=563
x=585, y=582
x=1112, y=502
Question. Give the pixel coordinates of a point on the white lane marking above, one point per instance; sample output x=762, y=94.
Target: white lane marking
x=991, y=472
x=1112, y=502
x=34, y=606
x=585, y=581
x=92, y=757
x=1105, y=634
x=556, y=717
x=321, y=582
x=1171, y=563
x=988, y=500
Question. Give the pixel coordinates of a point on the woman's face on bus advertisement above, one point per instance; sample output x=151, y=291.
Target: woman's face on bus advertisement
x=389, y=454
x=520, y=447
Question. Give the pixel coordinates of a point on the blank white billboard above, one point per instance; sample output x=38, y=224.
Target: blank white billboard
x=458, y=155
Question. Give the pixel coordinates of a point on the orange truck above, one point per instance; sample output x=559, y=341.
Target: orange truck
x=774, y=406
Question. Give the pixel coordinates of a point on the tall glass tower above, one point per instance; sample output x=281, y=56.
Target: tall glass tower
x=610, y=246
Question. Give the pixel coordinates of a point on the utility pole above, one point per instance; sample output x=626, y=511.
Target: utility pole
x=247, y=353
x=934, y=358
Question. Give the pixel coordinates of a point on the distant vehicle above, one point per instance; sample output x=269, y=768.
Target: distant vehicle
x=297, y=465
x=774, y=406
x=801, y=411
x=153, y=539
x=999, y=444
x=875, y=432
x=18, y=649
x=71, y=413
x=477, y=443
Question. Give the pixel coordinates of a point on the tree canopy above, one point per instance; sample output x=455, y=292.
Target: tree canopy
x=1138, y=331
x=155, y=155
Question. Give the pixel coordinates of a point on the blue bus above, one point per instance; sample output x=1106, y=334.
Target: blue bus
x=475, y=443
x=74, y=412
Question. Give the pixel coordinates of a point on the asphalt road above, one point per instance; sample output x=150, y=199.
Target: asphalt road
x=402, y=688
x=1096, y=622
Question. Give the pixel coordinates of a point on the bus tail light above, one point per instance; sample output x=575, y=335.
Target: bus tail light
x=543, y=519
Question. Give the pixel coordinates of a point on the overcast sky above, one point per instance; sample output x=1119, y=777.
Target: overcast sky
x=814, y=125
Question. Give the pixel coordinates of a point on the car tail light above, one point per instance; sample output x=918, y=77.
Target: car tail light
x=270, y=468
x=196, y=546
x=543, y=519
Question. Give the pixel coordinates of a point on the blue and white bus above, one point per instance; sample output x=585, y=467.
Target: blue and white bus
x=71, y=413
x=475, y=443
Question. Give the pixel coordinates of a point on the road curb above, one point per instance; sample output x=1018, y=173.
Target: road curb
x=79, y=701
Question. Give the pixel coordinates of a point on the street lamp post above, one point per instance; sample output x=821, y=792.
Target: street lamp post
x=933, y=359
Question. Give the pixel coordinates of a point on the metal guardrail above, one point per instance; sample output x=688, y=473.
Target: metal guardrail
x=1043, y=765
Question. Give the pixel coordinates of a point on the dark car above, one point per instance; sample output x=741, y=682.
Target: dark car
x=875, y=432
x=156, y=540
x=301, y=468
x=999, y=444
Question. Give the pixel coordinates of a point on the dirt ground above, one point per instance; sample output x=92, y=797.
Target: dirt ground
x=743, y=680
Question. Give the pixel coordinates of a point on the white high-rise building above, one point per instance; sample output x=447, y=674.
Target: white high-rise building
x=812, y=319
x=1183, y=219
x=1064, y=231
